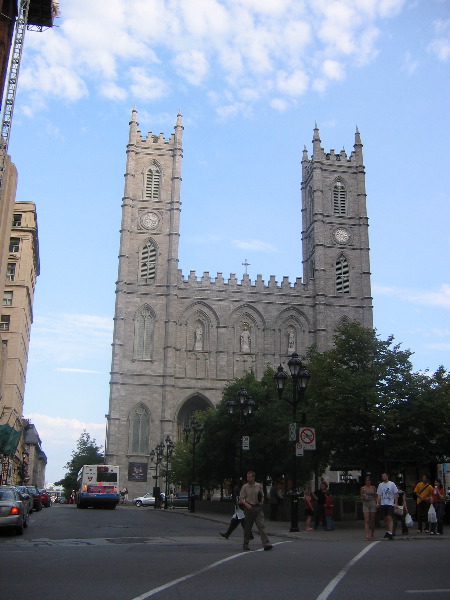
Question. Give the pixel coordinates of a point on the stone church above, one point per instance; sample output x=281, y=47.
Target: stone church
x=179, y=339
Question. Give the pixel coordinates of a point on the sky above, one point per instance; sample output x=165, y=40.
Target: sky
x=251, y=78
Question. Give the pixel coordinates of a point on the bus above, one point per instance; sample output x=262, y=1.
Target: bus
x=98, y=486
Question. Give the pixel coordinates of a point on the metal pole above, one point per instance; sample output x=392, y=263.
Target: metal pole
x=294, y=495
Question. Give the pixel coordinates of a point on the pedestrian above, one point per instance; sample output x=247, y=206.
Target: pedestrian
x=309, y=509
x=437, y=501
x=422, y=493
x=369, y=505
x=123, y=494
x=252, y=497
x=400, y=513
x=387, y=497
x=319, y=497
x=329, y=506
x=275, y=499
x=238, y=516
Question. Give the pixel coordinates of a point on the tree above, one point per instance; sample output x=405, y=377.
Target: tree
x=87, y=453
x=354, y=392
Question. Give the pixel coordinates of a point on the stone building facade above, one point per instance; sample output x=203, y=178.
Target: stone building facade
x=16, y=317
x=179, y=339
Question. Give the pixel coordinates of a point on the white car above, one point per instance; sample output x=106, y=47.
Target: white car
x=147, y=500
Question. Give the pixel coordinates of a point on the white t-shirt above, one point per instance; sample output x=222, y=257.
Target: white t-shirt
x=386, y=491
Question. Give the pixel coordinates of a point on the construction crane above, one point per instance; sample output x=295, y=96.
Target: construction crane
x=35, y=15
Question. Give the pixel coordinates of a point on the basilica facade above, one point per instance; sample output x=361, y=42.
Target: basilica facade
x=178, y=339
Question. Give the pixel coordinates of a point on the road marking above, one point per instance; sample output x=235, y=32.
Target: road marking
x=438, y=591
x=170, y=584
x=333, y=583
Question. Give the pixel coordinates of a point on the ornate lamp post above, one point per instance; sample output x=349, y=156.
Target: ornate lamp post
x=156, y=457
x=169, y=451
x=196, y=430
x=300, y=378
x=246, y=406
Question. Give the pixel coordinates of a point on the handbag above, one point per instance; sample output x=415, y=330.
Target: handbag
x=399, y=511
x=408, y=520
x=432, y=518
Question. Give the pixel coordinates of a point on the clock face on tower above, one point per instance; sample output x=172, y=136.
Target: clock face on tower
x=341, y=235
x=150, y=220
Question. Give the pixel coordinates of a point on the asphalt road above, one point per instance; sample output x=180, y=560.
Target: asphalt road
x=137, y=553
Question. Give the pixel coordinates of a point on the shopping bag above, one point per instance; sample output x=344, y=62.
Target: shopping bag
x=408, y=520
x=432, y=515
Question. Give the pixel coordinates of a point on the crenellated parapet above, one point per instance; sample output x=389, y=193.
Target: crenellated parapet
x=219, y=282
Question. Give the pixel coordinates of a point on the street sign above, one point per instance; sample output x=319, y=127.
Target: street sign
x=298, y=449
x=307, y=436
x=292, y=432
x=245, y=442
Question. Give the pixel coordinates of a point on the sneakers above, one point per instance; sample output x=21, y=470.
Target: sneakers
x=245, y=548
x=389, y=536
x=224, y=535
x=268, y=547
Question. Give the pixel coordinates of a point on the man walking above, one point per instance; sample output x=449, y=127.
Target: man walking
x=252, y=498
x=387, y=498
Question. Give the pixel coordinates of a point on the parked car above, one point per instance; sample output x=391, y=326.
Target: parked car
x=13, y=510
x=26, y=497
x=34, y=493
x=181, y=500
x=147, y=500
x=60, y=500
x=45, y=498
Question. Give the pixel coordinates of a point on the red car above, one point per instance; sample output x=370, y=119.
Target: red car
x=34, y=493
x=45, y=498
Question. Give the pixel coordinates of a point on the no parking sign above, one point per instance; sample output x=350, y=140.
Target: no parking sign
x=307, y=437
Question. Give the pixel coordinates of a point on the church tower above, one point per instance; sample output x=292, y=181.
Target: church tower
x=145, y=291
x=335, y=238
x=178, y=340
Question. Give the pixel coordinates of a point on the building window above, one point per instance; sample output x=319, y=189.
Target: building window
x=7, y=298
x=342, y=276
x=17, y=220
x=139, y=430
x=143, y=336
x=4, y=322
x=11, y=272
x=147, y=263
x=339, y=199
x=153, y=183
x=14, y=244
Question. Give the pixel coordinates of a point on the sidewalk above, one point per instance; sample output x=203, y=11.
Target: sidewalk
x=344, y=530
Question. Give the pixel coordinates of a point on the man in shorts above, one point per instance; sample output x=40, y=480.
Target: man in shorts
x=387, y=498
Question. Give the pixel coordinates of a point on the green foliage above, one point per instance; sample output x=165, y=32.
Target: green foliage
x=87, y=453
x=370, y=412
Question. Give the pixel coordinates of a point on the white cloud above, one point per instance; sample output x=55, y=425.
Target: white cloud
x=68, y=338
x=293, y=84
x=256, y=245
x=192, y=65
x=440, y=46
x=440, y=297
x=274, y=47
x=145, y=86
x=59, y=438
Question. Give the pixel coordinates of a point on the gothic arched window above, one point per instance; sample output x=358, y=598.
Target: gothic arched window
x=342, y=276
x=339, y=199
x=139, y=427
x=143, y=334
x=310, y=213
x=153, y=183
x=147, y=262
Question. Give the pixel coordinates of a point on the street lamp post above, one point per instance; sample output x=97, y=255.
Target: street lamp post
x=196, y=430
x=169, y=451
x=300, y=378
x=156, y=456
x=246, y=406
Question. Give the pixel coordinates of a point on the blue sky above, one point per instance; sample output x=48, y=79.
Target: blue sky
x=251, y=78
